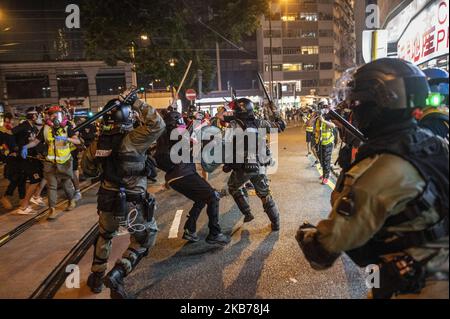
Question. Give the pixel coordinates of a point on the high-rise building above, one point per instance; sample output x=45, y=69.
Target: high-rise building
x=305, y=45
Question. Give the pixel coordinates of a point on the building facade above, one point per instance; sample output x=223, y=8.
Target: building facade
x=79, y=84
x=313, y=42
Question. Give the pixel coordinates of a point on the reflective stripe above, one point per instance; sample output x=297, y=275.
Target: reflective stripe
x=327, y=135
x=309, y=129
x=62, y=149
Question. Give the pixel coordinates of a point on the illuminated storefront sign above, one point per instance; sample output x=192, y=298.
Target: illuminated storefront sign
x=427, y=36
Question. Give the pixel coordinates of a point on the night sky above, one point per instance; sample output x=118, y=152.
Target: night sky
x=29, y=30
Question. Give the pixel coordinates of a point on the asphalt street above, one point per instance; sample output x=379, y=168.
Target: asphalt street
x=257, y=263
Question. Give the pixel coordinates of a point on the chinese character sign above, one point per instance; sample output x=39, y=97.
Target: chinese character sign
x=427, y=36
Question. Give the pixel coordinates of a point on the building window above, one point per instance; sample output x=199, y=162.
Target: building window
x=308, y=16
x=326, y=49
x=110, y=83
x=275, y=51
x=289, y=17
x=276, y=67
x=309, y=83
x=289, y=67
x=275, y=33
x=326, y=65
x=326, y=33
x=326, y=82
x=73, y=85
x=325, y=16
x=314, y=49
x=309, y=34
x=291, y=50
x=292, y=33
x=32, y=86
x=309, y=66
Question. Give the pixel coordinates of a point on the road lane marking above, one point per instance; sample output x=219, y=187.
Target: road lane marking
x=173, y=233
x=330, y=184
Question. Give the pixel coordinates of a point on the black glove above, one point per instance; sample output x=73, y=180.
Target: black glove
x=128, y=97
x=226, y=169
x=301, y=231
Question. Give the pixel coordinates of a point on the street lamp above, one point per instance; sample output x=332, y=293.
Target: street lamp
x=144, y=37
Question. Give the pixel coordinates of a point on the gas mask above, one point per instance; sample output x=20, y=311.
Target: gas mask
x=39, y=120
x=58, y=121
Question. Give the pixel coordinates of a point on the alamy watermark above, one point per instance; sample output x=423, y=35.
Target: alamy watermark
x=73, y=16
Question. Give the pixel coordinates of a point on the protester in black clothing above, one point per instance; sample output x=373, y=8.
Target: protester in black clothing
x=183, y=178
x=31, y=166
x=12, y=169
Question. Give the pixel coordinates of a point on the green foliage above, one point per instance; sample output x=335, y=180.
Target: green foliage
x=174, y=33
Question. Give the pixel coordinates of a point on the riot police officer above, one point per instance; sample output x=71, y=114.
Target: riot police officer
x=120, y=156
x=252, y=170
x=435, y=116
x=391, y=209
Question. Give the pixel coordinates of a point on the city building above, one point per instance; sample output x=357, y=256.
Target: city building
x=80, y=84
x=417, y=30
x=306, y=45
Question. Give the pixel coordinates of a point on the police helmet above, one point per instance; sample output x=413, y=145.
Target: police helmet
x=438, y=81
x=121, y=116
x=386, y=91
x=244, y=109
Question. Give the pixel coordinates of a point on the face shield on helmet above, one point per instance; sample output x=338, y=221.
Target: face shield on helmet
x=385, y=92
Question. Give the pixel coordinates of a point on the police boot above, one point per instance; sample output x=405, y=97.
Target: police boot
x=271, y=209
x=114, y=281
x=95, y=282
x=243, y=205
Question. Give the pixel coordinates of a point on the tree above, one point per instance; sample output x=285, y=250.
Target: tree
x=177, y=31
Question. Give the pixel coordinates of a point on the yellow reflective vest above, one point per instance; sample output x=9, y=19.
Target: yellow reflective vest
x=325, y=134
x=58, y=151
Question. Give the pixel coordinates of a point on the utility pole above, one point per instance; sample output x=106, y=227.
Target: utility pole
x=219, y=71
x=271, y=50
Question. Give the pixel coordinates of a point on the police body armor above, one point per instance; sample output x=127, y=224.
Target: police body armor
x=252, y=159
x=429, y=155
x=114, y=171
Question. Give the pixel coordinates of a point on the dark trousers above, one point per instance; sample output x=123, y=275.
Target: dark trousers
x=202, y=194
x=18, y=180
x=325, y=159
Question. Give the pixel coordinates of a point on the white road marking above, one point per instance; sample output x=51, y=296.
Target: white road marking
x=173, y=233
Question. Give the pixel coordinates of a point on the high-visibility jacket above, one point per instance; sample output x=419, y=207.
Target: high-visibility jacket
x=327, y=136
x=58, y=151
x=309, y=124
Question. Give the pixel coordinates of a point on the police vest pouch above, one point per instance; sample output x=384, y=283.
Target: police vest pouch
x=121, y=208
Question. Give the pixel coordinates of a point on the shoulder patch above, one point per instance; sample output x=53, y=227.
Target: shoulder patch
x=102, y=153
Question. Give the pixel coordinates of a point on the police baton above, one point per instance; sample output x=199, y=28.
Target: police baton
x=106, y=110
x=347, y=126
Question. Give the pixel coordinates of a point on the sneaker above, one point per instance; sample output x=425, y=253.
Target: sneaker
x=77, y=196
x=53, y=214
x=190, y=236
x=321, y=178
x=72, y=205
x=25, y=211
x=325, y=181
x=38, y=201
x=6, y=203
x=219, y=239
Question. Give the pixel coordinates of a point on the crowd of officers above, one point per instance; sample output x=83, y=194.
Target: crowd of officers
x=41, y=153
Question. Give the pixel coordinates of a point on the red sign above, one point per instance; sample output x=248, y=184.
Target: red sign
x=191, y=95
x=427, y=36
